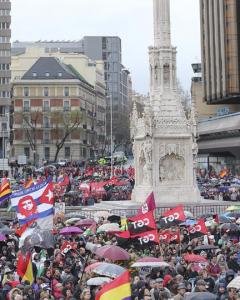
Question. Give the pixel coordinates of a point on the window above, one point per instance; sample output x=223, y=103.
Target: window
x=47, y=153
x=34, y=74
x=4, y=126
x=66, y=91
x=46, y=137
x=27, y=152
x=66, y=105
x=67, y=152
x=45, y=92
x=46, y=105
x=59, y=74
x=26, y=105
x=47, y=74
x=26, y=91
x=46, y=122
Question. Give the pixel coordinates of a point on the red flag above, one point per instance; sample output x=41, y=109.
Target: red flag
x=66, y=246
x=169, y=236
x=149, y=205
x=141, y=223
x=198, y=229
x=145, y=238
x=172, y=217
x=47, y=196
x=123, y=238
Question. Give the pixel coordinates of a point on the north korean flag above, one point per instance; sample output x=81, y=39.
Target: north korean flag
x=172, y=217
x=141, y=223
x=198, y=229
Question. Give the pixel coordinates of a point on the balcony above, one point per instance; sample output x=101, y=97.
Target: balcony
x=47, y=125
x=26, y=109
x=46, y=109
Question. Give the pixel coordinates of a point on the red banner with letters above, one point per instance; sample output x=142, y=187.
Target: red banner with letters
x=198, y=229
x=141, y=223
x=172, y=217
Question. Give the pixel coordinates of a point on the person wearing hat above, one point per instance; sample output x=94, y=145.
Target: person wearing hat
x=200, y=286
x=159, y=289
x=181, y=292
x=221, y=292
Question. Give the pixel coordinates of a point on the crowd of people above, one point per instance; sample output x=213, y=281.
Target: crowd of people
x=203, y=264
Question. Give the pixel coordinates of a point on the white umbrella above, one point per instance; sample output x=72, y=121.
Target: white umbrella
x=98, y=281
x=108, y=227
x=153, y=264
x=235, y=283
x=72, y=220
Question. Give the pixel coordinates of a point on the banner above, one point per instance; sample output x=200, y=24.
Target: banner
x=141, y=223
x=35, y=205
x=149, y=205
x=198, y=229
x=172, y=217
x=146, y=238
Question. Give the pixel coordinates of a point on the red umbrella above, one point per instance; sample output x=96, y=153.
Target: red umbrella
x=195, y=258
x=149, y=259
x=85, y=223
x=112, y=253
x=92, y=266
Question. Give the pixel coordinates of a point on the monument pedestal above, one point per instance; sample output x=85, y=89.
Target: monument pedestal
x=164, y=148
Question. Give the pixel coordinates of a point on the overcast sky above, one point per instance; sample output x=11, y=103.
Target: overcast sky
x=131, y=20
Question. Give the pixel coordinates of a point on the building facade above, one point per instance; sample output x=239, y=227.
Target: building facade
x=109, y=50
x=5, y=75
x=56, y=112
x=220, y=29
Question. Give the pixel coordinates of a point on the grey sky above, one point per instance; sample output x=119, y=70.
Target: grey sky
x=130, y=19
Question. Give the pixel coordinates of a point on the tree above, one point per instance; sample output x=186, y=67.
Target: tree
x=63, y=124
x=30, y=127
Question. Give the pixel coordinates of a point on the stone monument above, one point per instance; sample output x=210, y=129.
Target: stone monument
x=164, y=145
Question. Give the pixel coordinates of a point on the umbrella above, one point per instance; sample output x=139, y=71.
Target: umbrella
x=149, y=262
x=113, y=253
x=201, y=296
x=96, y=281
x=2, y=237
x=233, y=208
x=235, y=283
x=114, y=219
x=72, y=220
x=229, y=227
x=205, y=248
x=92, y=266
x=39, y=238
x=110, y=270
x=85, y=223
x=108, y=227
x=71, y=230
x=224, y=219
x=188, y=214
x=195, y=258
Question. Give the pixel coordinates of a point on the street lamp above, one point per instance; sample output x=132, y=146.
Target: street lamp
x=111, y=131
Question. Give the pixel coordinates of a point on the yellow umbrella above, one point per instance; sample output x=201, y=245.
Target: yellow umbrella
x=233, y=208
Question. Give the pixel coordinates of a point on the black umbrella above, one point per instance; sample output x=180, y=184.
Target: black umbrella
x=201, y=296
x=205, y=248
x=114, y=219
x=223, y=219
x=39, y=238
x=229, y=227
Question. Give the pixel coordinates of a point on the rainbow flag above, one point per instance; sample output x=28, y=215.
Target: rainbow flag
x=5, y=190
x=118, y=289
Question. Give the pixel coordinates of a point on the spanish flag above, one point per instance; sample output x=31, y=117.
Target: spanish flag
x=5, y=190
x=29, y=183
x=24, y=267
x=118, y=289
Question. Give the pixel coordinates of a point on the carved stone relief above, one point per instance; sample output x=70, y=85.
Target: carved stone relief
x=171, y=168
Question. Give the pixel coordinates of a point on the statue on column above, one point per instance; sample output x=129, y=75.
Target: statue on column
x=147, y=149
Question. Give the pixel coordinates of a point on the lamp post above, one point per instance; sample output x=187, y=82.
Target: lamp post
x=111, y=131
